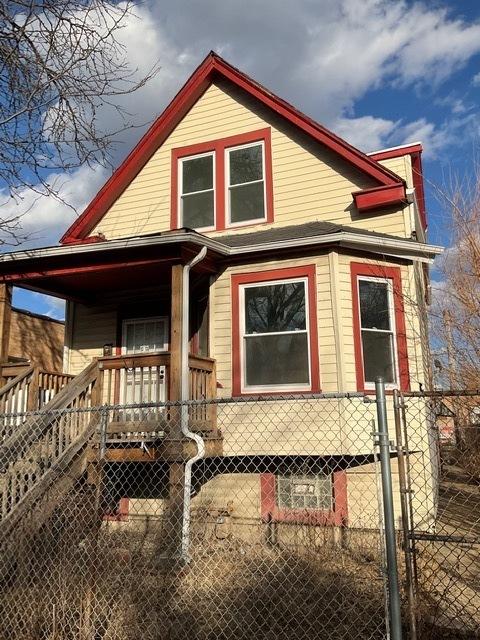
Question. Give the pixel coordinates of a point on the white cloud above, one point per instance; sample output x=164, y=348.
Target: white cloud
x=322, y=56
x=44, y=218
x=366, y=133
x=476, y=80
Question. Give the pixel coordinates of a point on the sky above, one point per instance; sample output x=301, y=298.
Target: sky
x=377, y=72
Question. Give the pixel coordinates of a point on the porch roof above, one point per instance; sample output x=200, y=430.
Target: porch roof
x=78, y=271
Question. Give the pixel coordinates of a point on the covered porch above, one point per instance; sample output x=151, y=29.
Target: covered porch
x=137, y=344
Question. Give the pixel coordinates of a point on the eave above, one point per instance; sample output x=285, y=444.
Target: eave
x=79, y=271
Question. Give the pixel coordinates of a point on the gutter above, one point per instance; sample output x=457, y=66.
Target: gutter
x=392, y=246
x=184, y=397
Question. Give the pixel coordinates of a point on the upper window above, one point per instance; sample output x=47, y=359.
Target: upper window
x=245, y=184
x=275, y=334
x=197, y=203
x=379, y=326
x=223, y=183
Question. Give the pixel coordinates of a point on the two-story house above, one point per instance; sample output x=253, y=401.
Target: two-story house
x=310, y=276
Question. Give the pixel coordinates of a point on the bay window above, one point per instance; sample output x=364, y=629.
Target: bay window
x=275, y=335
x=274, y=330
x=379, y=326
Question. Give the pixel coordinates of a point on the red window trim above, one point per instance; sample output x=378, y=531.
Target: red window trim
x=121, y=515
x=219, y=147
x=390, y=273
x=307, y=271
x=271, y=512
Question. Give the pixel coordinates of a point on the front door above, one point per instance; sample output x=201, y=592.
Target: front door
x=144, y=335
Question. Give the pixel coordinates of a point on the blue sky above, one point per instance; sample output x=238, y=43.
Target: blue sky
x=378, y=72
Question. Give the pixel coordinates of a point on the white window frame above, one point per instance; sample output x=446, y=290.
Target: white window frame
x=273, y=387
x=133, y=321
x=228, y=186
x=180, y=188
x=393, y=330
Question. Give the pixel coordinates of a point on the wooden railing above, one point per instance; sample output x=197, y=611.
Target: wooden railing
x=203, y=386
x=145, y=378
x=30, y=390
x=36, y=451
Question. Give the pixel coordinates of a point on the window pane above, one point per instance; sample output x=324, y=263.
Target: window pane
x=197, y=174
x=277, y=359
x=197, y=210
x=246, y=165
x=374, y=308
x=378, y=357
x=275, y=307
x=247, y=202
x=305, y=492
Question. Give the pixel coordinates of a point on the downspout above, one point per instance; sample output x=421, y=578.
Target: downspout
x=184, y=396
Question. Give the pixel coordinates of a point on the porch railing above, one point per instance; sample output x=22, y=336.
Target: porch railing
x=29, y=390
x=146, y=378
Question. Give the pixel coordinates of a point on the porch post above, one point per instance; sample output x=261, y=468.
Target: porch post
x=176, y=317
x=5, y=320
x=173, y=528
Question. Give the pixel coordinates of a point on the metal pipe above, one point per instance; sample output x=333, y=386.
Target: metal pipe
x=184, y=396
x=402, y=476
x=388, y=512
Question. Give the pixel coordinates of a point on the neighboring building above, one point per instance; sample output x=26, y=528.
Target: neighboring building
x=315, y=276
x=29, y=338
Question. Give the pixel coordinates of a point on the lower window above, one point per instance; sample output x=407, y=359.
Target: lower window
x=313, y=498
x=379, y=326
x=275, y=335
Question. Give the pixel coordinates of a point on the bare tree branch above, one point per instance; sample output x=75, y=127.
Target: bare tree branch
x=61, y=64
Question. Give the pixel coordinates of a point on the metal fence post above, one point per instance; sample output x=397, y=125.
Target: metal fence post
x=388, y=513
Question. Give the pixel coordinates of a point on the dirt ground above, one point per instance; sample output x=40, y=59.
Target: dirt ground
x=449, y=571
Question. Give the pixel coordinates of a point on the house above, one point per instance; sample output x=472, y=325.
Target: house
x=297, y=264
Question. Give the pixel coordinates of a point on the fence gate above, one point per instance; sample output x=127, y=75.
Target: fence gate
x=443, y=510
x=273, y=532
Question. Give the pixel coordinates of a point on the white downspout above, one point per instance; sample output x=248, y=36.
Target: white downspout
x=184, y=396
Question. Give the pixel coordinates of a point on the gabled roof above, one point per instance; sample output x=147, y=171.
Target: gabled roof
x=212, y=68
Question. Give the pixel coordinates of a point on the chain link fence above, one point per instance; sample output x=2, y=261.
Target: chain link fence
x=443, y=552
x=114, y=527
x=254, y=518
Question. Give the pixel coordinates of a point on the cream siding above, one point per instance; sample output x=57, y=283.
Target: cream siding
x=309, y=181
x=92, y=328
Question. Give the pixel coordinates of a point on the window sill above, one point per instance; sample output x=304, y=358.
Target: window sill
x=281, y=392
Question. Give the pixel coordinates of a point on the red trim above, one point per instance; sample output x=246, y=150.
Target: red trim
x=418, y=186
x=270, y=511
x=87, y=240
x=121, y=515
x=211, y=68
x=396, y=153
x=218, y=147
x=392, y=273
x=377, y=197
x=307, y=271
x=415, y=152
